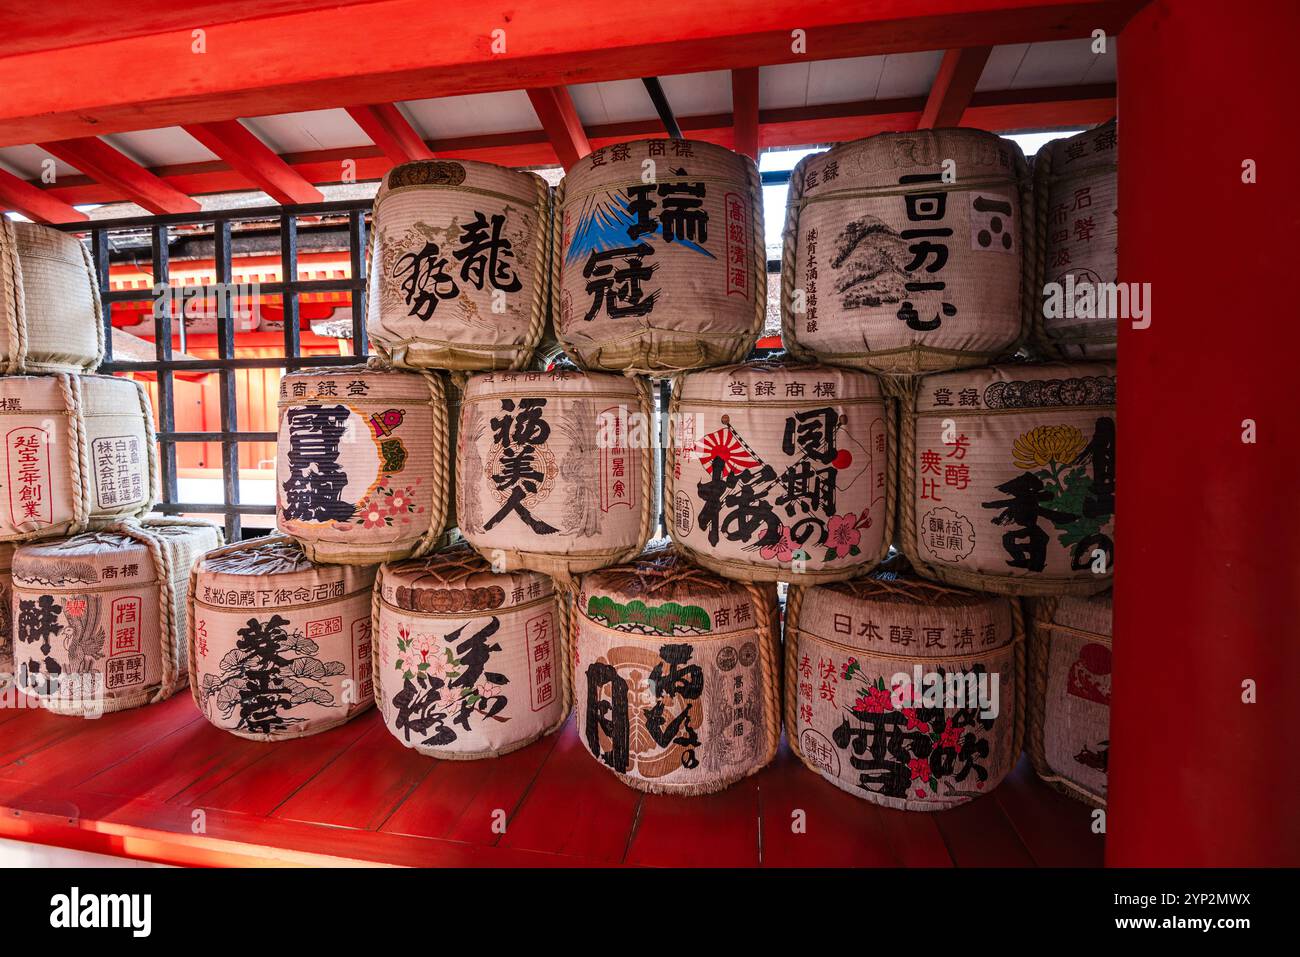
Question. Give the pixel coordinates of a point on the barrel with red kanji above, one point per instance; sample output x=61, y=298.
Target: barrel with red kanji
x=661, y=262
x=554, y=470
x=904, y=692
x=905, y=252
x=364, y=463
x=99, y=618
x=1069, y=694
x=280, y=647
x=79, y=451
x=469, y=663
x=459, y=271
x=1007, y=480
x=676, y=674
x=780, y=470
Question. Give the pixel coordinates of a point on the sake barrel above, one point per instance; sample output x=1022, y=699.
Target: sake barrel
x=280, y=647
x=676, y=675
x=458, y=272
x=1007, y=481
x=555, y=470
x=99, y=618
x=50, y=312
x=80, y=450
x=1069, y=694
x=469, y=663
x=363, y=464
x=1077, y=204
x=6, y=616
x=904, y=252
x=907, y=693
x=661, y=263
x=780, y=471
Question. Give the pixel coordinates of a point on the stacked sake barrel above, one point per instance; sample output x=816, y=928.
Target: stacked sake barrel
x=1076, y=196
x=279, y=646
x=660, y=263
x=1069, y=694
x=907, y=252
x=98, y=596
x=905, y=692
x=918, y=256
x=676, y=678
x=780, y=470
x=99, y=618
x=468, y=662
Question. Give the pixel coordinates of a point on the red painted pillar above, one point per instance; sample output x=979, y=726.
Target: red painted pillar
x=1207, y=592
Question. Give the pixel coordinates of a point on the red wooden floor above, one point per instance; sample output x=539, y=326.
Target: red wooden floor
x=160, y=783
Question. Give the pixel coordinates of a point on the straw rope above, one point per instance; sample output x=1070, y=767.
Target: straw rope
x=542, y=248
x=11, y=276
x=97, y=305
x=789, y=244
x=1040, y=646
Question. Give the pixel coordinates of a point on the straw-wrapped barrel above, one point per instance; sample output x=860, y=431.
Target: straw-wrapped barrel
x=50, y=314
x=469, y=663
x=1069, y=694
x=1007, y=478
x=780, y=471
x=1076, y=198
x=458, y=274
x=905, y=252
x=661, y=264
x=555, y=470
x=364, y=463
x=904, y=692
x=280, y=647
x=80, y=451
x=100, y=618
x=676, y=674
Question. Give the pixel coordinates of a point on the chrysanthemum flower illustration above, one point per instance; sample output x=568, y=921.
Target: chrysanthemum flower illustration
x=1048, y=445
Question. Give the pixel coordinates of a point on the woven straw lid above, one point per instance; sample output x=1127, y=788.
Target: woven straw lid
x=279, y=558
x=459, y=580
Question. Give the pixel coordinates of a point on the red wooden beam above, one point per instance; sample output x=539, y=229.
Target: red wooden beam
x=744, y=110
x=394, y=50
x=100, y=161
x=1193, y=637
x=554, y=107
x=389, y=130
x=1013, y=110
x=249, y=156
x=953, y=87
x=36, y=204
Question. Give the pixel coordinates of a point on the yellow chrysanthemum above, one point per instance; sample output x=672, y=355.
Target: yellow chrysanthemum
x=1047, y=444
